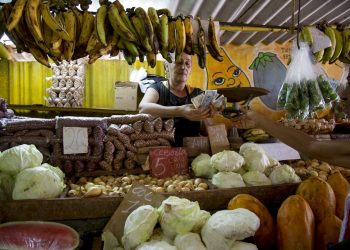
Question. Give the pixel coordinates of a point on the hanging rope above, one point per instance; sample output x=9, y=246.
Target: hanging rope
x=298, y=27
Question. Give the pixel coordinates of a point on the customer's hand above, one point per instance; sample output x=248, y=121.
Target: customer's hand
x=191, y=113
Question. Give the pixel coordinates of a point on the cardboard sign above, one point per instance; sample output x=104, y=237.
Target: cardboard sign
x=280, y=151
x=137, y=196
x=196, y=145
x=218, y=138
x=75, y=140
x=126, y=95
x=166, y=162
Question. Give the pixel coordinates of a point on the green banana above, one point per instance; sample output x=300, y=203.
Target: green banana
x=2, y=23
x=307, y=35
x=151, y=59
x=118, y=24
x=328, y=53
x=130, y=59
x=346, y=43
x=32, y=15
x=131, y=47
x=87, y=28
x=319, y=55
x=189, y=35
x=53, y=23
x=144, y=38
x=146, y=23
x=164, y=11
x=100, y=23
x=16, y=14
x=70, y=24
x=171, y=35
x=39, y=55
x=164, y=38
x=338, y=47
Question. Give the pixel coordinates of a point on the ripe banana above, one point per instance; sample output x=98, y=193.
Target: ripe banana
x=180, y=40
x=87, y=28
x=151, y=59
x=307, y=35
x=100, y=23
x=70, y=24
x=338, y=47
x=47, y=34
x=4, y=52
x=118, y=25
x=93, y=42
x=39, y=55
x=201, y=45
x=214, y=44
x=32, y=14
x=171, y=35
x=328, y=53
x=346, y=43
x=189, y=35
x=143, y=36
x=164, y=12
x=53, y=23
x=16, y=14
x=146, y=23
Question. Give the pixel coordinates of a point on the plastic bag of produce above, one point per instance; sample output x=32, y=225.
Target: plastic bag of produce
x=202, y=167
x=139, y=226
x=227, y=160
x=15, y=159
x=300, y=94
x=328, y=92
x=226, y=226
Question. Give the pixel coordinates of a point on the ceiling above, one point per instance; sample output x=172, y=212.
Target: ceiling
x=254, y=12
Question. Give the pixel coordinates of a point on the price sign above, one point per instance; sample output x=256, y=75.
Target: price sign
x=166, y=162
x=196, y=145
x=75, y=140
x=137, y=196
x=218, y=138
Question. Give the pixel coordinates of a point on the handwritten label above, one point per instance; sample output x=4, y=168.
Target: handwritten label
x=166, y=162
x=196, y=145
x=218, y=138
x=75, y=140
x=280, y=151
x=137, y=196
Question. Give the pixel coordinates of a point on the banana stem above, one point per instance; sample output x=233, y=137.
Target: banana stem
x=252, y=28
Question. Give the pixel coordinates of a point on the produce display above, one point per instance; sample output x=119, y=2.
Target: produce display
x=68, y=83
x=59, y=30
x=119, y=186
x=310, y=126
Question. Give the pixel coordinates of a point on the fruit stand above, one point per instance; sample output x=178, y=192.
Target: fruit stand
x=114, y=178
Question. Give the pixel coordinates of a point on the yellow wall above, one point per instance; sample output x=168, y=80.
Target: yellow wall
x=4, y=78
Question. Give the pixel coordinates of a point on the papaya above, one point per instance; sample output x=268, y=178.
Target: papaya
x=327, y=231
x=295, y=224
x=265, y=237
x=319, y=195
x=341, y=189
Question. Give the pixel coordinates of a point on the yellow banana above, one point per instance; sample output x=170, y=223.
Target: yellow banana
x=164, y=12
x=346, y=43
x=53, y=23
x=32, y=14
x=171, y=35
x=338, y=46
x=328, y=53
x=100, y=23
x=144, y=39
x=70, y=24
x=189, y=35
x=87, y=28
x=146, y=23
x=4, y=52
x=180, y=40
x=39, y=55
x=118, y=24
x=151, y=59
x=214, y=44
x=16, y=14
x=201, y=45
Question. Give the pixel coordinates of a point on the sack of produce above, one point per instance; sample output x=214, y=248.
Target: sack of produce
x=300, y=94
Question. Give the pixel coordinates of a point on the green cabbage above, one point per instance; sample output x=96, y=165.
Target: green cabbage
x=139, y=226
x=284, y=174
x=228, y=161
x=42, y=182
x=189, y=241
x=254, y=157
x=256, y=178
x=6, y=186
x=178, y=216
x=13, y=160
x=228, y=180
x=156, y=245
x=201, y=166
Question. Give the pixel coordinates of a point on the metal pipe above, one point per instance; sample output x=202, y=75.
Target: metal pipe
x=252, y=28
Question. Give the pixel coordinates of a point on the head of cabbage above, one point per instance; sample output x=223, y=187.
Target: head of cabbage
x=15, y=159
x=202, y=167
x=227, y=161
x=41, y=182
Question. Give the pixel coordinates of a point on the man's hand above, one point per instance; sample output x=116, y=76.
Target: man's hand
x=191, y=113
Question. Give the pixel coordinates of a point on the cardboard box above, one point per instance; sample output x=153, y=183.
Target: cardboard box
x=126, y=96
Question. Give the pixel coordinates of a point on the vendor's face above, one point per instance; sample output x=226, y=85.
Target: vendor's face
x=179, y=71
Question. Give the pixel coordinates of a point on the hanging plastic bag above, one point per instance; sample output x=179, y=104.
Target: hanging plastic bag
x=300, y=94
x=328, y=92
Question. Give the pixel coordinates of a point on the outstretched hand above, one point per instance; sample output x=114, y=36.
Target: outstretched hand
x=195, y=114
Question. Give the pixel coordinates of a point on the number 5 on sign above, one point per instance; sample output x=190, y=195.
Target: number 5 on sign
x=75, y=140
